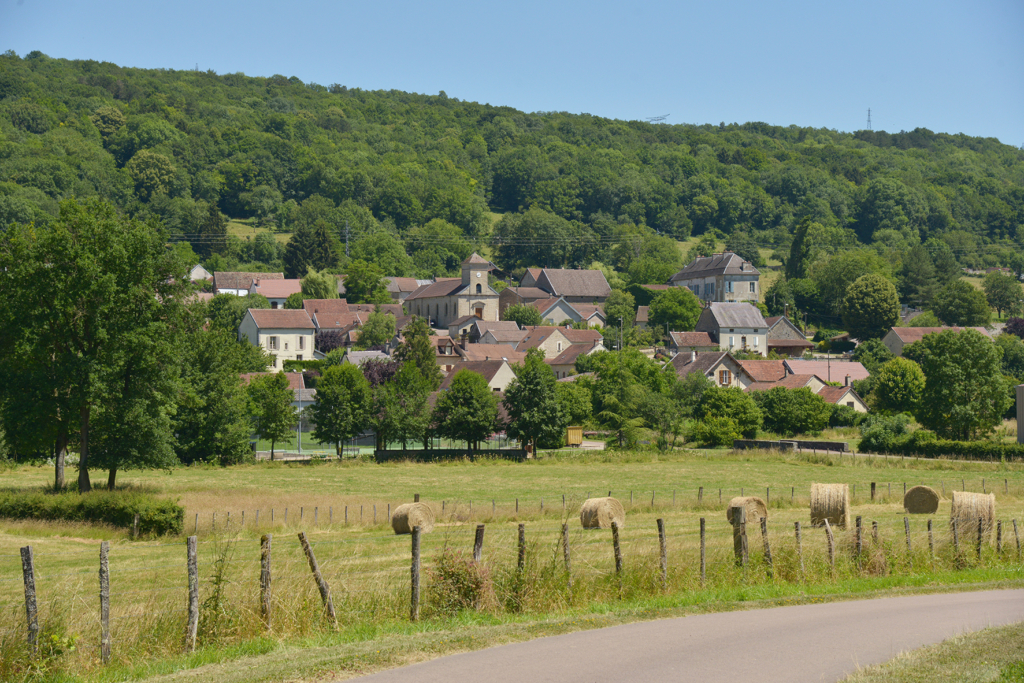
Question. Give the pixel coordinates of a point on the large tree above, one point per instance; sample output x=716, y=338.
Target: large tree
x=965, y=394
x=788, y=412
x=84, y=300
x=1003, y=293
x=467, y=410
x=319, y=285
x=534, y=412
x=959, y=303
x=310, y=247
x=270, y=407
x=918, y=280
x=401, y=407
x=524, y=315
x=377, y=331
x=898, y=386
x=871, y=307
x=364, y=283
x=342, y=407
x=676, y=310
x=416, y=348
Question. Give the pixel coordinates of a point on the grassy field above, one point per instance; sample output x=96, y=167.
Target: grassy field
x=367, y=566
x=243, y=229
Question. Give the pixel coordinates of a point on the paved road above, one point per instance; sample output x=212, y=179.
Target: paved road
x=811, y=643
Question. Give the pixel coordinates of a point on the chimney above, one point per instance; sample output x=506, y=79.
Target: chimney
x=846, y=382
x=693, y=356
x=465, y=339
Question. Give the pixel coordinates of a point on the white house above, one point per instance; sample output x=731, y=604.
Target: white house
x=735, y=327
x=720, y=277
x=283, y=333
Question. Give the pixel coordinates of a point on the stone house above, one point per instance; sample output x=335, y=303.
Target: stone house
x=898, y=338
x=285, y=334
x=449, y=299
x=734, y=326
x=785, y=338
x=720, y=277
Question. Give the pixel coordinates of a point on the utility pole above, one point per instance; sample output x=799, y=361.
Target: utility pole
x=346, y=238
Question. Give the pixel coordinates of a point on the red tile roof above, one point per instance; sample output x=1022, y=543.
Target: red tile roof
x=788, y=382
x=278, y=289
x=295, y=379
x=582, y=336
x=830, y=371
x=909, y=335
x=764, y=370
x=688, y=339
x=835, y=394
x=569, y=356
x=239, y=280
x=486, y=368
x=443, y=287
x=281, y=318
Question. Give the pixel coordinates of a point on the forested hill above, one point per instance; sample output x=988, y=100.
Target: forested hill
x=169, y=144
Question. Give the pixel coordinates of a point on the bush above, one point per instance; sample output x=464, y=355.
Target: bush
x=880, y=433
x=793, y=411
x=845, y=416
x=714, y=431
x=118, y=508
x=925, y=444
x=458, y=583
x=732, y=403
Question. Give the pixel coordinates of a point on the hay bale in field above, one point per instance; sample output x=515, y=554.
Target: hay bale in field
x=830, y=502
x=408, y=515
x=599, y=513
x=921, y=500
x=755, y=507
x=968, y=507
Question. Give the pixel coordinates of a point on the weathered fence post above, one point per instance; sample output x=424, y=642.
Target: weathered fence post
x=135, y=527
x=999, y=538
x=1016, y=537
x=768, y=496
x=931, y=542
x=663, y=547
x=739, y=535
x=414, y=603
x=478, y=543
x=616, y=547
x=325, y=590
x=981, y=533
x=767, y=547
x=415, y=497
x=195, y=529
x=799, y=549
x=860, y=541
x=28, y=571
x=831, y=546
x=521, y=561
x=565, y=553
x=906, y=531
x=316, y=514
x=703, y=555
x=956, y=539
x=104, y=603
x=265, y=579
x=700, y=495
x=874, y=532
x=193, y=595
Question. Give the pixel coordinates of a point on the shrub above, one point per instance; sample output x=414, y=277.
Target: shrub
x=458, y=583
x=845, y=416
x=733, y=403
x=118, y=508
x=714, y=431
x=793, y=411
x=880, y=433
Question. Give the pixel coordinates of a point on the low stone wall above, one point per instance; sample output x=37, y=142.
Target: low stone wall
x=744, y=444
x=439, y=454
x=790, y=444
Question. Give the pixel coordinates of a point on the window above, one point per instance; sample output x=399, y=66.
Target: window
x=298, y=357
x=286, y=346
x=709, y=289
x=479, y=289
x=724, y=377
x=272, y=344
x=743, y=341
x=732, y=342
x=755, y=342
x=728, y=286
x=559, y=345
x=302, y=344
x=753, y=287
x=849, y=403
x=273, y=304
x=479, y=313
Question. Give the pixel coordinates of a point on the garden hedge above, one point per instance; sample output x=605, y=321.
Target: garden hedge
x=157, y=516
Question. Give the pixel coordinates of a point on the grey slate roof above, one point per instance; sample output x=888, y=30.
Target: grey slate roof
x=566, y=282
x=726, y=263
x=735, y=314
x=703, y=364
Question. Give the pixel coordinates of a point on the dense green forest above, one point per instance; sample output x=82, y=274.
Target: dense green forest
x=416, y=181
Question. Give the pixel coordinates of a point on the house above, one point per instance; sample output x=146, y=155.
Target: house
x=844, y=396
x=491, y=352
x=446, y=352
x=720, y=277
x=498, y=373
x=449, y=299
x=897, y=338
x=575, y=286
x=785, y=338
x=361, y=357
x=516, y=296
x=812, y=382
x=564, y=364
x=591, y=314
x=332, y=314
x=502, y=336
x=734, y=326
x=276, y=291
x=556, y=311
x=828, y=370
x=401, y=287
x=199, y=273
x=718, y=366
x=240, y=284
x=643, y=317
x=553, y=340
x=684, y=342
x=285, y=334
x=764, y=370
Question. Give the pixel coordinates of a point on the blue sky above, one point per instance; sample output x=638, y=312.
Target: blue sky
x=948, y=66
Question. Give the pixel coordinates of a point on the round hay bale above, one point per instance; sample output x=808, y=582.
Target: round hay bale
x=830, y=502
x=599, y=513
x=408, y=515
x=968, y=507
x=921, y=500
x=755, y=507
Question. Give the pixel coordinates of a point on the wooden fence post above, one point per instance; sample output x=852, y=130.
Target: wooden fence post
x=257, y=522
x=906, y=531
x=565, y=553
x=981, y=532
x=478, y=543
x=768, y=496
x=799, y=549
x=767, y=547
x=316, y=514
x=860, y=541
x=1016, y=537
x=415, y=497
x=195, y=528
x=521, y=562
x=325, y=590
x=265, y=579
x=999, y=538
x=414, y=601
x=700, y=495
x=931, y=542
x=193, y=595
x=616, y=547
x=663, y=547
x=28, y=571
x=831, y=546
x=874, y=532
x=739, y=535
x=956, y=540
x=703, y=555
x=104, y=603
x=135, y=527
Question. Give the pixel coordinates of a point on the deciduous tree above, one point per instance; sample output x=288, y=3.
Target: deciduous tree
x=871, y=307
x=270, y=407
x=467, y=410
x=676, y=310
x=342, y=407
x=535, y=416
x=960, y=304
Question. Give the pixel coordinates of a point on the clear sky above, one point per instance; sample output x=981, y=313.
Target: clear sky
x=948, y=66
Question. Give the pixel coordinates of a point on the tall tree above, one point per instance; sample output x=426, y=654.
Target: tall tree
x=1003, y=293
x=965, y=394
x=377, y=331
x=467, y=410
x=898, y=386
x=342, y=407
x=918, y=281
x=310, y=247
x=213, y=237
x=319, y=285
x=364, y=283
x=523, y=315
x=79, y=295
x=531, y=401
x=401, y=408
x=871, y=307
x=676, y=310
x=270, y=407
x=416, y=348
x=959, y=303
